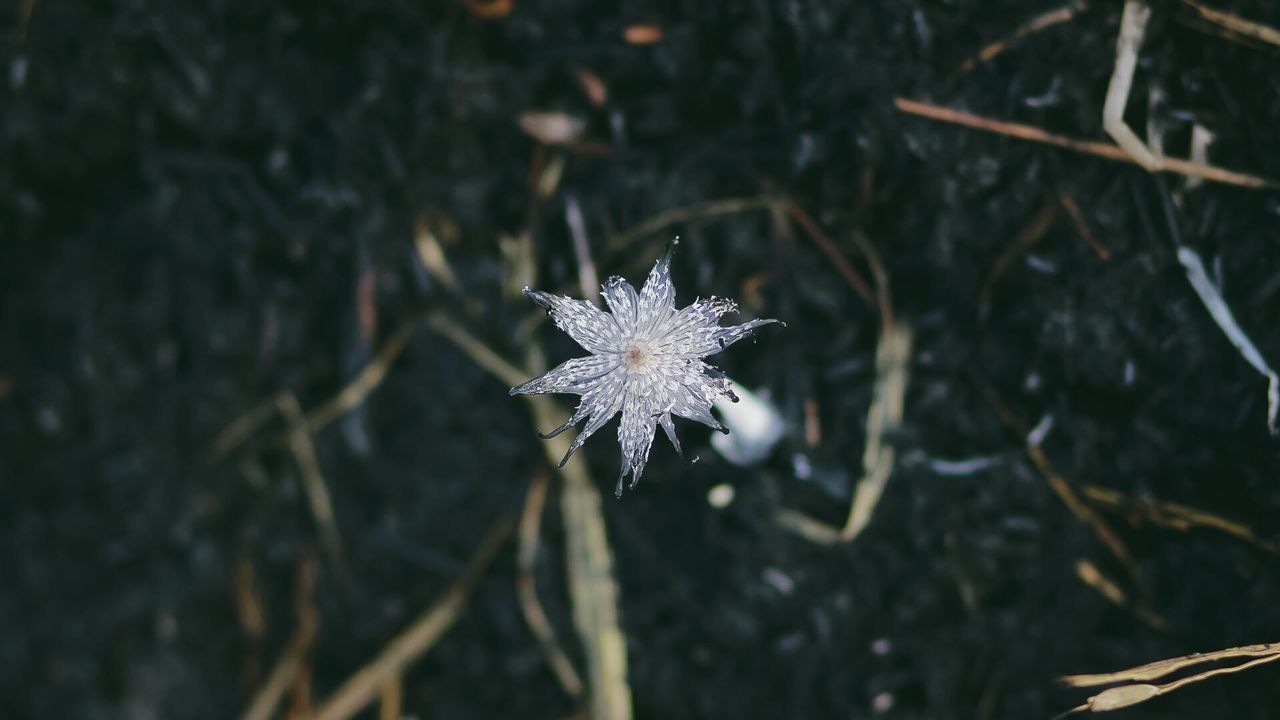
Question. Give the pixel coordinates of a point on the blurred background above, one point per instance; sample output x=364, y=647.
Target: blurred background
x=259, y=311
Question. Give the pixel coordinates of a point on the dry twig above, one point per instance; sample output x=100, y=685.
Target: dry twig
x=590, y=563
x=1040, y=22
x=893, y=358
x=291, y=664
x=1140, y=690
x=1088, y=147
x=1059, y=484
x=527, y=590
x=366, y=684
x=313, y=483
x=1236, y=24
x=1133, y=25
x=1176, y=516
x=688, y=213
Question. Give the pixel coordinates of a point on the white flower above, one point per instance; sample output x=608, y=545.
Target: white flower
x=646, y=362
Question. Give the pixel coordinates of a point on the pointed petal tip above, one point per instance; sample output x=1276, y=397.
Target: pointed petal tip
x=557, y=431
x=537, y=296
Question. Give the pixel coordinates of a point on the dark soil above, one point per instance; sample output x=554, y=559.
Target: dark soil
x=203, y=204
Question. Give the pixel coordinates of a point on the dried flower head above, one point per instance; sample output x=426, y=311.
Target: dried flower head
x=646, y=361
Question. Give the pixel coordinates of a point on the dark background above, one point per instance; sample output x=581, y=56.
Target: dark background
x=202, y=204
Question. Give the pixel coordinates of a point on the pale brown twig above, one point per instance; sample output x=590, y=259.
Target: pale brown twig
x=365, y=382
x=1088, y=147
x=893, y=357
x=592, y=587
x=1034, y=25
x=1176, y=516
x=313, y=483
x=1236, y=24
x=527, y=591
x=1141, y=691
x=366, y=684
x=292, y=661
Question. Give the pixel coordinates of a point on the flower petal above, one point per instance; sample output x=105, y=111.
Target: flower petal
x=601, y=403
x=587, y=324
x=622, y=301
x=695, y=331
x=669, y=428
x=701, y=386
x=573, y=376
x=657, y=297
x=635, y=435
x=723, y=337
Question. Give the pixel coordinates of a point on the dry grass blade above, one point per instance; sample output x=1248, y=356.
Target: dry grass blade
x=688, y=213
x=828, y=248
x=391, y=705
x=1161, y=668
x=592, y=588
x=1090, y=575
x=527, y=590
x=313, y=483
x=591, y=583
x=1176, y=516
x=1040, y=22
x=248, y=424
x=893, y=358
x=588, y=281
x=245, y=426
x=1059, y=484
x=1236, y=24
x=1032, y=233
x=368, y=683
x=1082, y=226
x=292, y=660
x=1139, y=690
x=365, y=382
x=1103, y=150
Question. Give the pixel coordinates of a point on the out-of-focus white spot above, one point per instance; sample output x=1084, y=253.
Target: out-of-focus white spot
x=801, y=466
x=779, y=580
x=18, y=72
x=755, y=426
x=881, y=647
x=720, y=496
x=882, y=702
x=961, y=468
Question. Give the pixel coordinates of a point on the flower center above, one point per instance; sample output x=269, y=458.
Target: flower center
x=637, y=358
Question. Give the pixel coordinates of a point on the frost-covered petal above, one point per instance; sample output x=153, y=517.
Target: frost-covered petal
x=701, y=386
x=600, y=403
x=696, y=332
x=657, y=297
x=679, y=333
x=623, y=302
x=572, y=376
x=635, y=435
x=588, y=325
x=722, y=337
x=669, y=428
